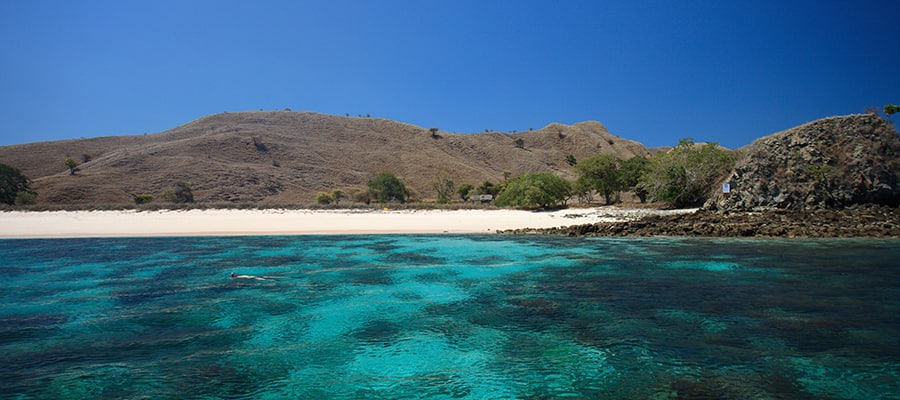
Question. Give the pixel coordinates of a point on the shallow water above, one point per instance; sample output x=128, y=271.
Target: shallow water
x=478, y=317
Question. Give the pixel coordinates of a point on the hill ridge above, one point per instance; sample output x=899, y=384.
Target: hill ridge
x=288, y=156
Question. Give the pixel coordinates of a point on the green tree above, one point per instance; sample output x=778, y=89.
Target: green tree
x=630, y=174
x=181, y=193
x=324, y=198
x=361, y=196
x=71, y=164
x=143, y=198
x=464, y=191
x=487, y=187
x=570, y=159
x=12, y=182
x=685, y=175
x=600, y=172
x=534, y=190
x=444, y=188
x=338, y=194
x=584, y=193
x=891, y=109
x=386, y=187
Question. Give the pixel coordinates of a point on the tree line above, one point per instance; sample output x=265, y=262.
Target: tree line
x=682, y=177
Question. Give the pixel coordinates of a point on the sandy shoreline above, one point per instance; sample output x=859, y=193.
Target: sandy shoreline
x=67, y=224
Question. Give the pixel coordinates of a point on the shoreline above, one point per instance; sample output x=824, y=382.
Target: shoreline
x=862, y=221
x=229, y=222
x=607, y=221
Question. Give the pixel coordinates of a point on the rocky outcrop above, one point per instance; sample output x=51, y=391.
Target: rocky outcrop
x=870, y=221
x=830, y=163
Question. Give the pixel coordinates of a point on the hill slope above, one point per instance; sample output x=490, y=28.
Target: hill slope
x=284, y=156
x=830, y=163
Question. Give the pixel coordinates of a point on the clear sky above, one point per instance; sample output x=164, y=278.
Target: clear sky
x=728, y=71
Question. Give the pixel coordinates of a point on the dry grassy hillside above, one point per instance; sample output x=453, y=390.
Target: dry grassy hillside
x=286, y=157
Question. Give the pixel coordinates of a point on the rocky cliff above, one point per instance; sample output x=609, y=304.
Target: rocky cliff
x=830, y=163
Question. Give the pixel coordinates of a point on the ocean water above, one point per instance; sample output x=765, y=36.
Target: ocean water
x=449, y=317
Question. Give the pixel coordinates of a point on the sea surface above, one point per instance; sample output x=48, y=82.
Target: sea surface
x=449, y=317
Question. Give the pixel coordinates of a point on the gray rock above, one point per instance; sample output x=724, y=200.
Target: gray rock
x=830, y=163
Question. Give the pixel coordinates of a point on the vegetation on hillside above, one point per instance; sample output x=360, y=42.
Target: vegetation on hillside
x=630, y=174
x=14, y=187
x=181, y=193
x=444, y=187
x=142, y=198
x=600, y=173
x=277, y=157
x=685, y=175
x=464, y=191
x=71, y=164
x=681, y=177
x=386, y=188
x=535, y=190
x=324, y=198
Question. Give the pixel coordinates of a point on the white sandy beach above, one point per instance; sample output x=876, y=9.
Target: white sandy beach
x=58, y=224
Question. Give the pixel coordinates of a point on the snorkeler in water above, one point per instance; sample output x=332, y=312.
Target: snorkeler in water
x=235, y=276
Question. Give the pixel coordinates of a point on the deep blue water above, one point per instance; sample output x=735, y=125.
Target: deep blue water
x=476, y=317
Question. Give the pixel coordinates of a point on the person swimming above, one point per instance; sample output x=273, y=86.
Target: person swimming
x=235, y=276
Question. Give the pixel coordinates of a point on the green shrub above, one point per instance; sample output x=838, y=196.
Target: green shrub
x=386, y=187
x=338, y=194
x=489, y=188
x=143, y=198
x=25, y=198
x=464, y=191
x=444, y=188
x=600, y=172
x=71, y=164
x=181, y=193
x=630, y=175
x=534, y=190
x=685, y=175
x=324, y=198
x=12, y=182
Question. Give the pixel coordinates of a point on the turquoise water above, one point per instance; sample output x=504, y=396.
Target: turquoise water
x=473, y=317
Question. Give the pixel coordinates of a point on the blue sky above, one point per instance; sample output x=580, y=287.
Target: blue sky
x=651, y=71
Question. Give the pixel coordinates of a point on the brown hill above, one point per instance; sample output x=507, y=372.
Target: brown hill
x=830, y=163
x=286, y=157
